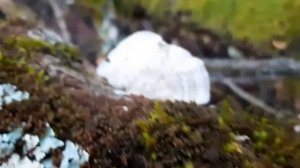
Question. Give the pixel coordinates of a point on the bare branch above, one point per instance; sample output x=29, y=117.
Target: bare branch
x=249, y=98
x=248, y=70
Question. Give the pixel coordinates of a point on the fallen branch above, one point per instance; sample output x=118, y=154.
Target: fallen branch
x=249, y=98
x=248, y=70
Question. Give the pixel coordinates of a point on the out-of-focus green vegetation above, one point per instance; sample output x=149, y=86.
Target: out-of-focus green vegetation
x=255, y=20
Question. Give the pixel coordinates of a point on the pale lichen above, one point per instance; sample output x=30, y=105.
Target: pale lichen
x=9, y=94
x=73, y=155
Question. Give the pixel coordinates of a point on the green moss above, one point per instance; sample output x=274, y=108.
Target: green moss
x=227, y=115
x=29, y=46
x=148, y=139
x=272, y=138
x=186, y=129
x=251, y=164
x=196, y=137
x=188, y=165
x=233, y=147
x=20, y=66
x=161, y=129
x=154, y=156
x=157, y=116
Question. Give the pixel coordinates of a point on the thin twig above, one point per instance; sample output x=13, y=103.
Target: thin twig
x=249, y=98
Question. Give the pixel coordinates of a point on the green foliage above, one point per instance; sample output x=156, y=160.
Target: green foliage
x=292, y=20
x=255, y=20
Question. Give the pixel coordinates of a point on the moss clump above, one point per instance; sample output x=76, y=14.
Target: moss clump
x=177, y=132
x=273, y=140
x=157, y=116
x=188, y=165
x=9, y=66
x=29, y=46
x=233, y=147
